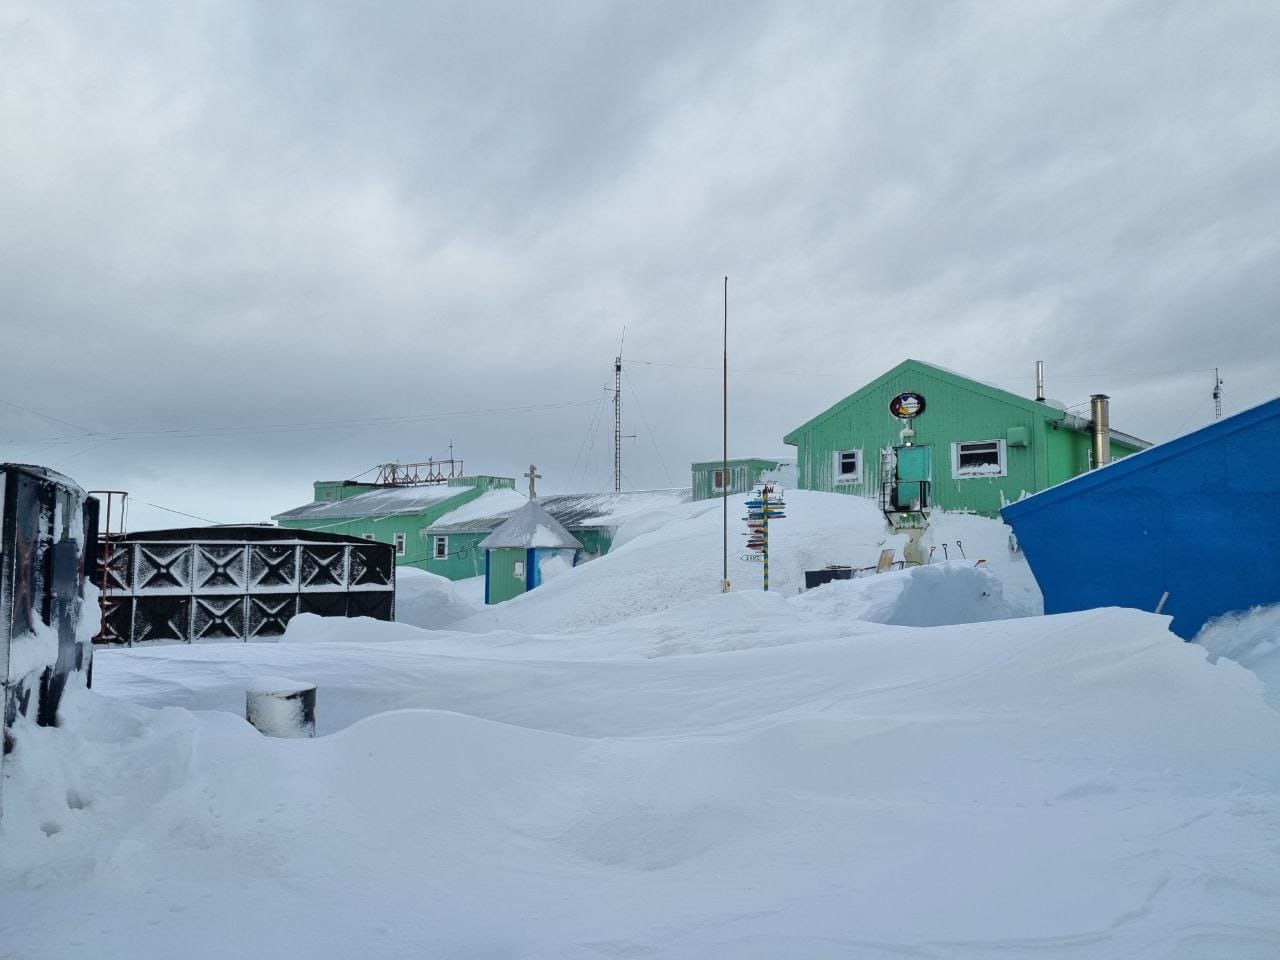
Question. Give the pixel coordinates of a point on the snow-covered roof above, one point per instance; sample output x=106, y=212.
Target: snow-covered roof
x=489, y=509
x=381, y=502
x=531, y=526
x=574, y=511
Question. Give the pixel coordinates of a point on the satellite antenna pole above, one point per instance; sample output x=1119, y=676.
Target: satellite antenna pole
x=724, y=475
x=1217, y=395
x=617, y=416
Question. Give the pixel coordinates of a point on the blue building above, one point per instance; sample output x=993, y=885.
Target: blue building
x=1197, y=518
x=525, y=551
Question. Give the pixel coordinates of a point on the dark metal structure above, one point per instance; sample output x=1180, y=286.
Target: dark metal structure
x=48, y=533
x=417, y=474
x=238, y=583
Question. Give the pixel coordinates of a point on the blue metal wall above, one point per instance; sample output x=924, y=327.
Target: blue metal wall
x=1198, y=517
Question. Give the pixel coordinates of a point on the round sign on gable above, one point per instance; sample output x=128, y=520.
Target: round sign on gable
x=907, y=405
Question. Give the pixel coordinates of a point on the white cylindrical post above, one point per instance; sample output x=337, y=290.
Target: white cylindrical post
x=281, y=708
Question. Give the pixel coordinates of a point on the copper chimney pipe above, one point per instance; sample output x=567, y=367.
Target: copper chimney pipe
x=1100, y=408
x=1040, y=380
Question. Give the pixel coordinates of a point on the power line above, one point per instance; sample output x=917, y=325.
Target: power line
x=188, y=433
x=789, y=373
x=191, y=516
x=592, y=420
x=645, y=420
x=45, y=416
x=1113, y=374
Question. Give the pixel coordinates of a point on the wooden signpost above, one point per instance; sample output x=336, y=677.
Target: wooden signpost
x=761, y=508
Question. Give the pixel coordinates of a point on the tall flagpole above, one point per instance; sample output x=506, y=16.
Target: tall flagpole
x=724, y=476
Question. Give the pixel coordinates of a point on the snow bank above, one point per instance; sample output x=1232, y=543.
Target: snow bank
x=931, y=596
x=432, y=601
x=1082, y=785
x=1252, y=639
x=674, y=556
x=626, y=762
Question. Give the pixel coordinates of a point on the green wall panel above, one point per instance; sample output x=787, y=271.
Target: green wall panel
x=744, y=474
x=956, y=410
x=502, y=582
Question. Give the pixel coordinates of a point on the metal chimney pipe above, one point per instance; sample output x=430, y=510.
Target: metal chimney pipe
x=1040, y=380
x=1101, y=410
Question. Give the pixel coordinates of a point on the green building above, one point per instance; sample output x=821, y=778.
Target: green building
x=987, y=446
x=528, y=549
x=453, y=541
x=709, y=477
x=395, y=513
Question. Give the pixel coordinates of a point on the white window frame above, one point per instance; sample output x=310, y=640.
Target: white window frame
x=517, y=569
x=959, y=473
x=399, y=541
x=440, y=548
x=856, y=476
x=718, y=475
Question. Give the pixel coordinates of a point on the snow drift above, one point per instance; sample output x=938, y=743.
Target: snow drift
x=626, y=762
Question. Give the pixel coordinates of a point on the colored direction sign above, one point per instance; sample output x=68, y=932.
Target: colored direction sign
x=763, y=506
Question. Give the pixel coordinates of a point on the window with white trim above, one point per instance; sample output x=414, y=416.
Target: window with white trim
x=441, y=548
x=517, y=569
x=848, y=466
x=721, y=479
x=979, y=458
x=399, y=540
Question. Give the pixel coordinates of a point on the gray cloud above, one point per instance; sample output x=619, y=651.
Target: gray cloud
x=225, y=215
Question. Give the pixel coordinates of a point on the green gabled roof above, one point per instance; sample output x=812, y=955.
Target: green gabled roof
x=940, y=373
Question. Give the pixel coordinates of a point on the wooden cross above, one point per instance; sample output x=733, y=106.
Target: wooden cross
x=534, y=476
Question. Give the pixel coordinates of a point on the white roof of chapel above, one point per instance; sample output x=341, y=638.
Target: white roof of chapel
x=530, y=527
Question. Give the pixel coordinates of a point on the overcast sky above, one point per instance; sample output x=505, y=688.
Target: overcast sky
x=221, y=221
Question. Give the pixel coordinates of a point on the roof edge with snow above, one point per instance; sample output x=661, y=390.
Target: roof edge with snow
x=529, y=528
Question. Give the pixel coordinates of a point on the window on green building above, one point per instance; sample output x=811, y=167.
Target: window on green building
x=441, y=548
x=399, y=544
x=848, y=466
x=979, y=458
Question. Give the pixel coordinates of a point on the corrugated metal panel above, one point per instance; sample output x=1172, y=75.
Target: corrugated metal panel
x=744, y=472
x=1194, y=517
x=501, y=580
x=212, y=586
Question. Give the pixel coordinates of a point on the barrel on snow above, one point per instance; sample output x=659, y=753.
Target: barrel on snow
x=281, y=708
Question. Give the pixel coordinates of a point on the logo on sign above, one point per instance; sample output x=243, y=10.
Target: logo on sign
x=907, y=405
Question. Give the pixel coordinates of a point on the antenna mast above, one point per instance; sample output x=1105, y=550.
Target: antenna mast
x=1217, y=395
x=617, y=416
x=724, y=466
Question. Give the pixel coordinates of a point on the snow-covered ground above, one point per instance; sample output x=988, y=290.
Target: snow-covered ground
x=628, y=763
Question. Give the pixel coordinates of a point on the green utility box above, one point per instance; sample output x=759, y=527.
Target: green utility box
x=913, y=472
